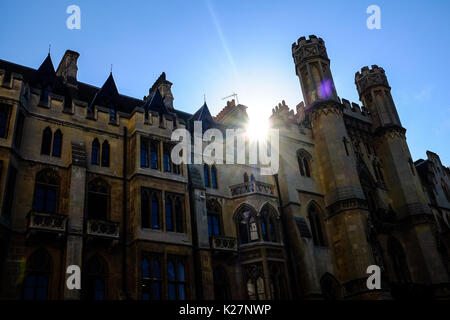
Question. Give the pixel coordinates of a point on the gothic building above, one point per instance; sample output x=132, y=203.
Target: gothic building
x=86, y=179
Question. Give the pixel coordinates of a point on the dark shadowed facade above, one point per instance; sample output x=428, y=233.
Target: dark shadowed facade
x=86, y=179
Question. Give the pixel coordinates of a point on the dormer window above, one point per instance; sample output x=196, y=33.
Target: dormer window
x=112, y=115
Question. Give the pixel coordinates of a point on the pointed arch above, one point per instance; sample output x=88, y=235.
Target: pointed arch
x=270, y=229
x=95, y=152
x=37, y=276
x=331, y=287
x=98, y=199
x=46, y=141
x=304, y=160
x=105, y=153
x=315, y=218
x=214, y=216
x=96, y=276
x=57, y=143
x=46, y=191
x=247, y=224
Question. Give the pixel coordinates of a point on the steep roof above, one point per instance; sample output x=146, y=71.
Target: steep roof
x=83, y=91
x=156, y=103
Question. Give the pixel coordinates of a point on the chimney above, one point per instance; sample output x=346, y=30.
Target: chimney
x=68, y=67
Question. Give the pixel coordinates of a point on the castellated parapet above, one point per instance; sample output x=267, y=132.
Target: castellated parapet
x=304, y=49
x=368, y=78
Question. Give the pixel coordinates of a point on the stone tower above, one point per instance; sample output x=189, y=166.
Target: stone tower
x=346, y=205
x=414, y=222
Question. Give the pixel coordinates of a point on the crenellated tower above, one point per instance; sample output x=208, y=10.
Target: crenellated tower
x=313, y=69
x=414, y=222
x=346, y=204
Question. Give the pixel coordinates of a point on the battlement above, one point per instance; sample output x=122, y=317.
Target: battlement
x=312, y=39
x=370, y=77
x=354, y=108
x=308, y=48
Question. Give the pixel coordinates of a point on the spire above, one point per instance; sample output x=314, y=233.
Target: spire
x=156, y=103
x=45, y=74
x=107, y=93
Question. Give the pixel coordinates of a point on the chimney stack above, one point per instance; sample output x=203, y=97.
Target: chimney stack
x=68, y=67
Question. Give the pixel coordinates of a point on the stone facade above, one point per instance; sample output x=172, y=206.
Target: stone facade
x=86, y=179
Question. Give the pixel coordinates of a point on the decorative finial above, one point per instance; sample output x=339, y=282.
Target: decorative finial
x=111, y=68
x=204, y=98
x=49, y=48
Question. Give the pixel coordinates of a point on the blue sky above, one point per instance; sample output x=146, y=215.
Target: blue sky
x=215, y=48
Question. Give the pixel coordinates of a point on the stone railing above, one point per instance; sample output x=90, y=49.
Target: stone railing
x=103, y=228
x=51, y=222
x=252, y=187
x=224, y=243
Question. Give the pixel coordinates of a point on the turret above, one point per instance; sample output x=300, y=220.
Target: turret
x=375, y=93
x=313, y=69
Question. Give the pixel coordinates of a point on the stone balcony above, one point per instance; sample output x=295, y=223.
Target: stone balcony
x=50, y=224
x=224, y=243
x=103, y=229
x=252, y=187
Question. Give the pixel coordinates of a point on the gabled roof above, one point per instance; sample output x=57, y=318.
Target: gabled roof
x=205, y=117
x=45, y=74
x=107, y=95
x=156, y=103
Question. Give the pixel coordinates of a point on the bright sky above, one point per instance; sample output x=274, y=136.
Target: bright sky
x=215, y=48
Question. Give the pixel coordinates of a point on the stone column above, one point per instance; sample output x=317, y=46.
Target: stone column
x=74, y=248
x=200, y=235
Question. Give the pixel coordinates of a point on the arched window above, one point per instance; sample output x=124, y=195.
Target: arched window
x=268, y=224
x=214, y=218
x=95, y=153
x=221, y=287
x=245, y=177
x=57, y=144
x=176, y=279
x=98, y=199
x=303, y=159
x=316, y=225
x=150, y=213
x=151, y=278
x=247, y=226
x=4, y=115
x=36, y=282
x=255, y=282
x=46, y=141
x=301, y=165
x=306, y=164
x=331, y=288
x=398, y=260
x=46, y=191
x=169, y=214
x=206, y=175
x=105, y=154
x=277, y=282
x=214, y=177
x=96, y=278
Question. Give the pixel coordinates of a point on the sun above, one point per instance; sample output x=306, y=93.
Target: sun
x=257, y=128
